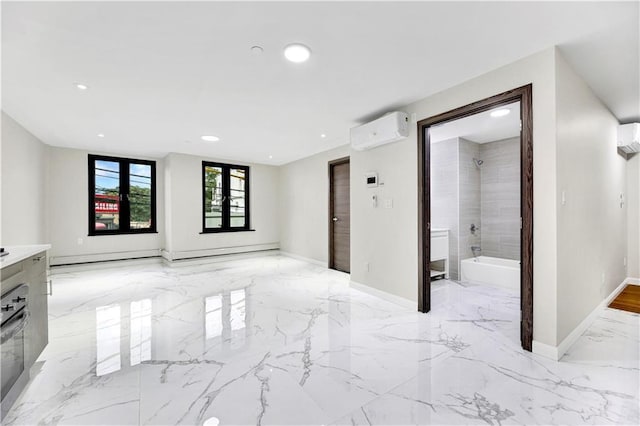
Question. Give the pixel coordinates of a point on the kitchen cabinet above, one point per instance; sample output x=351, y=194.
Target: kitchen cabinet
x=24, y=265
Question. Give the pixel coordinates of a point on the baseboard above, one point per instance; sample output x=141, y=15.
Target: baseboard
x=401, y=301
x=304, y=259
x=557, y=352
x=91, y=266
x=545, y=350
x=102, y=257
x=218, y=258
x=194, y=254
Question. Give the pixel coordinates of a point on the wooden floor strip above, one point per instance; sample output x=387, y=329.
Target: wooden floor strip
x=628, y=300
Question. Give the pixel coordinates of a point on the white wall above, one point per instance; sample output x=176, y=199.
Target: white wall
x=183, y=208
x=592, y=223
x=633, y=216
x=24, y=169
x=304, y=195
x=445, y=196
x=388, y=238
x=68, y=214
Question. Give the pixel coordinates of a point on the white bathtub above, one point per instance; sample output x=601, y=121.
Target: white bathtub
x=491, y=271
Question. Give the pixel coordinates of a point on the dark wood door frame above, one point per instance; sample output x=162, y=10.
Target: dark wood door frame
x=524, y=95
x=332, y=164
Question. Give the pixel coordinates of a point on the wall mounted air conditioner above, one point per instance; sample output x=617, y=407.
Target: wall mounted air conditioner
x=386, y=129
x=629, y=137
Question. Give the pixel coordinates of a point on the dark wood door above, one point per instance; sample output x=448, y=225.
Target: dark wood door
x=339, y=216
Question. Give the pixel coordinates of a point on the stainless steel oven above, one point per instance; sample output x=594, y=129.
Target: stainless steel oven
x=14, y=310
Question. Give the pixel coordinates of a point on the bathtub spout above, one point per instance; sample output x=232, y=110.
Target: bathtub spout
x=475, y=250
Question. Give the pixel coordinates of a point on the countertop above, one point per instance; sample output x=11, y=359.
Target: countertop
x=18, y=253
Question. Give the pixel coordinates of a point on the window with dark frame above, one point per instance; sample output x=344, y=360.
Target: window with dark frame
x=225, y=197
x=122, y=195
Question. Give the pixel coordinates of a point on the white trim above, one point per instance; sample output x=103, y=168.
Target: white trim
x=398, y=300
x=217, y=258
x=102, y=257
x=557, y=352
x=544, y=350
x=191, y=254
x=92, y=266
x=305, y=259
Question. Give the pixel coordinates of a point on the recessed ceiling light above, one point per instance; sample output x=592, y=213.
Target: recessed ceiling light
x=210, y=138
x=323, y=135
x=500, y=112
x=211, y=421
x=297, y=52
x=81, y=86
x=101, y=135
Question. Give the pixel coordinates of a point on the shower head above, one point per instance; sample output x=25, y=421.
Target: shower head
x=477, y=162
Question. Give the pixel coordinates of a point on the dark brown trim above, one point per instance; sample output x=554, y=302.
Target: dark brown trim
x=226, y=204
x=124, y=188
x=524, y=95
x=331, y=164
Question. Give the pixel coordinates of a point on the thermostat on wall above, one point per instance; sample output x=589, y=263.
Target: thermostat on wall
x=372, y=179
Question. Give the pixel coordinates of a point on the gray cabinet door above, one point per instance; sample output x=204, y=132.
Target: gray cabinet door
x=37, y=336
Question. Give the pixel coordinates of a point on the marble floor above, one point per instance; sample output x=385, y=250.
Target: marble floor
x=273, y=340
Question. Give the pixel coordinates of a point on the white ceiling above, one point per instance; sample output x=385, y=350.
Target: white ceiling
x=162, y=74
x=481, y=127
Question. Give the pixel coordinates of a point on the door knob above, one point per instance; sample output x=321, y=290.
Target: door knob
x=335, y=219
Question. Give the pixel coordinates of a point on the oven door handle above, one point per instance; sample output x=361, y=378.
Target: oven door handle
x=14, y=326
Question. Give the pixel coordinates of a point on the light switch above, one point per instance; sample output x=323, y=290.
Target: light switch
x=388, y=203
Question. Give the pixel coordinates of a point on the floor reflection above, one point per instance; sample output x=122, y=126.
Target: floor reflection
x=107, y=339
x=225, y=323
x=140, y=331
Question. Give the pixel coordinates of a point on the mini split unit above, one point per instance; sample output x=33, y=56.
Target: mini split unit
x=629, y=138
x=386, y=129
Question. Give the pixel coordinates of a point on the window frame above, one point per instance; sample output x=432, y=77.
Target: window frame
x=226, y=192
x=125, y=211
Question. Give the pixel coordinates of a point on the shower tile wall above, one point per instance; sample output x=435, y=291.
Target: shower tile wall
x=444, y=195
x=500, y=201
x=470, y=197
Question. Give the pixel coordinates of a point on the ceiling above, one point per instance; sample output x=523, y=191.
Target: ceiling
x=161, y=74
x=480, y=127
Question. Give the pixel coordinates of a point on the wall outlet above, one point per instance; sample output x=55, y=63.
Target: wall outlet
x=563, y=199
x=80, y=241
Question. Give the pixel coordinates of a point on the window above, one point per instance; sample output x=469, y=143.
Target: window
x=225, y=197
x=122, y=196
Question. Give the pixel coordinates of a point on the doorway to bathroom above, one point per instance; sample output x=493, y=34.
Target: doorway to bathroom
x=476, y=203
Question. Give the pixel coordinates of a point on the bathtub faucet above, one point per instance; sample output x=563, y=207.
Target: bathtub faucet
x=475, y=250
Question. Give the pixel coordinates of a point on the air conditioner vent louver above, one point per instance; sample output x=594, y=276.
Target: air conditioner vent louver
x=386, y=129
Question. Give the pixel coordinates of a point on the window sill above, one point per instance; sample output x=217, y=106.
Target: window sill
x=220, y=231
x=100, y=234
